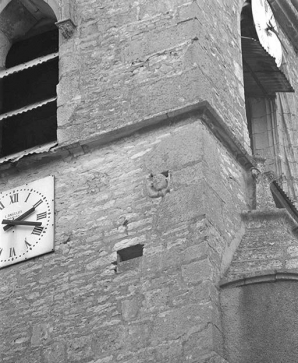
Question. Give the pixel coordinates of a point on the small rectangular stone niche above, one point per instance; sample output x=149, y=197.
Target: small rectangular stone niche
x=130, y=252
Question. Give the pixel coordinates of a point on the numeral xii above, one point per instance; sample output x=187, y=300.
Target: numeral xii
x=14, y=198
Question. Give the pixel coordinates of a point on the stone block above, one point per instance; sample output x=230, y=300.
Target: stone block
x=137, y=336
x=160, y=40
x=79, y=348
x=170, y=352
x=182, y=205
x=172, y=258
x=292, y=264
x=196, y=272
x=107, y=340
x=204, y=292
x=173, y=324
x=197, y=345
x=134, y=264
x=175, y=152
x=151, y=9
x=34, y=356
x=156, y=300
x=55, y=353
x=151, y=264
x=41, y=334
x=292, y=251
x=188, y=11
x=188, y=175
x=108, y=359
x=130, y=309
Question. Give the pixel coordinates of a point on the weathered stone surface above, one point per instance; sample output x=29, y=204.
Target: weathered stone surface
x=55, y=353
x=129, y=308
x=267, y=245
x=197, y=346
x=79, y=349
x=139, y=59
x=40, y=334
x=129, y=65
x=197, y=271
x=80, y=306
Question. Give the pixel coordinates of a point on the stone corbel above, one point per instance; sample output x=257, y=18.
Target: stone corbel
x=263, y=178
x=67, y=27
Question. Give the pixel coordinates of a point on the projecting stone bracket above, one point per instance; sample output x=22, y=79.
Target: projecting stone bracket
x=263, y=179
x=269, y=191
x=67, y=27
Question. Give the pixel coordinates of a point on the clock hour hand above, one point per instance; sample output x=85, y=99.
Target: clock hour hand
x=22, y=216
x=14, y=222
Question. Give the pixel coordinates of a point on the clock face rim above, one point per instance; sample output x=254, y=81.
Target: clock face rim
x=262, y=13
x=38, y=242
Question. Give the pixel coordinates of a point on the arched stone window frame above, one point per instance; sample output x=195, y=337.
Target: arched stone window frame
x=52, y=3
x=266, y=90
x=4, y=46
x=61, y=13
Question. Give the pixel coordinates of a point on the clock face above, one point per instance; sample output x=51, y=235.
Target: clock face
x=26, y=221
x=266, y=28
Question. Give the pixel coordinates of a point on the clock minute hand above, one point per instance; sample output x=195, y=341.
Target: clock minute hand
x=14, y=222
x=271, y=28
x=22, y=216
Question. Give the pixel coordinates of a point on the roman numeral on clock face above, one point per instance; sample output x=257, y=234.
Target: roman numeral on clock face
x=1, y=206
x=41, y=215
x=27, y=243
x=37, y=231
x=14, y=198
x=27, y=197
x=12, y=252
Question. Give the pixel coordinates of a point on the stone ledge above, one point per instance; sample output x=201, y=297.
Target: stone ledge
x=202, y=110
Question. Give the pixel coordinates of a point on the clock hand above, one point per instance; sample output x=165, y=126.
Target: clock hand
x=22, y=216
x=14, y=222
x=270, y=27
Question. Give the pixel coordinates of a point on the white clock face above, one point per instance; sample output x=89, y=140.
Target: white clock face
x=26, y=221
x=266, y=28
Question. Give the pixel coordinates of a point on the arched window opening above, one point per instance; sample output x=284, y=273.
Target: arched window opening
x=267, y=92
x=247, y=24
x=263, y=77
x=28, y=80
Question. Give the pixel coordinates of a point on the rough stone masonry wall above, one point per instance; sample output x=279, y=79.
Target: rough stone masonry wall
x=131, y=60
x=71, y=306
